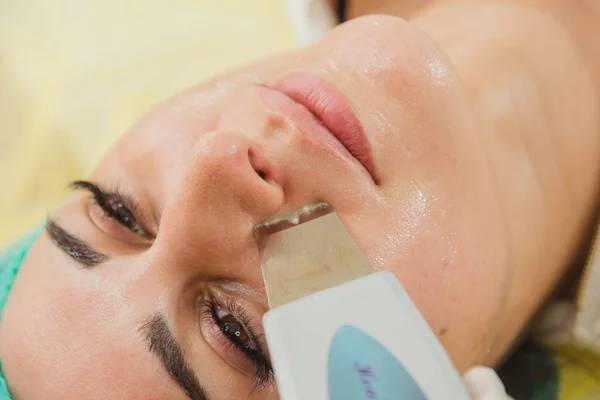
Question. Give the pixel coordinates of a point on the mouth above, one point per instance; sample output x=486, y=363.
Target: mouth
x=325, y=115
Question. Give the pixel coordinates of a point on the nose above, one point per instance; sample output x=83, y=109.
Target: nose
x=229, y=170
x=225, y=186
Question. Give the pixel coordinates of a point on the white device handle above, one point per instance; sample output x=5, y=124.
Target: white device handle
x=361, y=340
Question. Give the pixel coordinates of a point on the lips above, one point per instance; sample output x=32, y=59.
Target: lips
x=324, y=114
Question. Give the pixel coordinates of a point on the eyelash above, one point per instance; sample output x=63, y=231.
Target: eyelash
x=264, y=371
x=107, y=200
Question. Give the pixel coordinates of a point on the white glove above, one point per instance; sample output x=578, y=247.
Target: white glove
x=484, y=384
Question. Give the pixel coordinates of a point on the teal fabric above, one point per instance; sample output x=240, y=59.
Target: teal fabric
x=10, y=262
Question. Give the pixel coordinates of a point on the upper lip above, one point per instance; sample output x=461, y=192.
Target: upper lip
x=331, y=108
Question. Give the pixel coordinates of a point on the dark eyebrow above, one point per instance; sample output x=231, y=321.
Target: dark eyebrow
x=161, y=342
x=73, y=246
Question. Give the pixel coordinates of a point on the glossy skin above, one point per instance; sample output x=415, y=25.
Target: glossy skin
x=444, y=215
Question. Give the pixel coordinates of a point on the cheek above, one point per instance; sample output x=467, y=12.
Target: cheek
x=447, y=262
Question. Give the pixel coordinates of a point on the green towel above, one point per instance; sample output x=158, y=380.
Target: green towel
x=10, y=262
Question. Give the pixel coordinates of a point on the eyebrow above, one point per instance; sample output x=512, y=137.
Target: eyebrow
x=160, y=341
x=74, y=246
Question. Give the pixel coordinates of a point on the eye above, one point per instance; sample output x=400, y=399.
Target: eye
x=123, y=215
x=115, y=206
x=228, y=329
x=232, y=328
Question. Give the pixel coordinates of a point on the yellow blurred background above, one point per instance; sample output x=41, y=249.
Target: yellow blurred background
x=75, y=74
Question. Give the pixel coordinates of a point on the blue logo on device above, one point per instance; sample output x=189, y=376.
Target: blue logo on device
x=360, y=368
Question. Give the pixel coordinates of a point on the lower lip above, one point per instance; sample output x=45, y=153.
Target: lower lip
x=324, y=115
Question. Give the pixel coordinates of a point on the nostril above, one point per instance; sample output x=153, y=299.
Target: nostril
x=266, y=194
x=262, y=174
x=258, y=165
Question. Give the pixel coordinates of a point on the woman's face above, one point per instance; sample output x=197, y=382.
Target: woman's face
x=148, y=285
